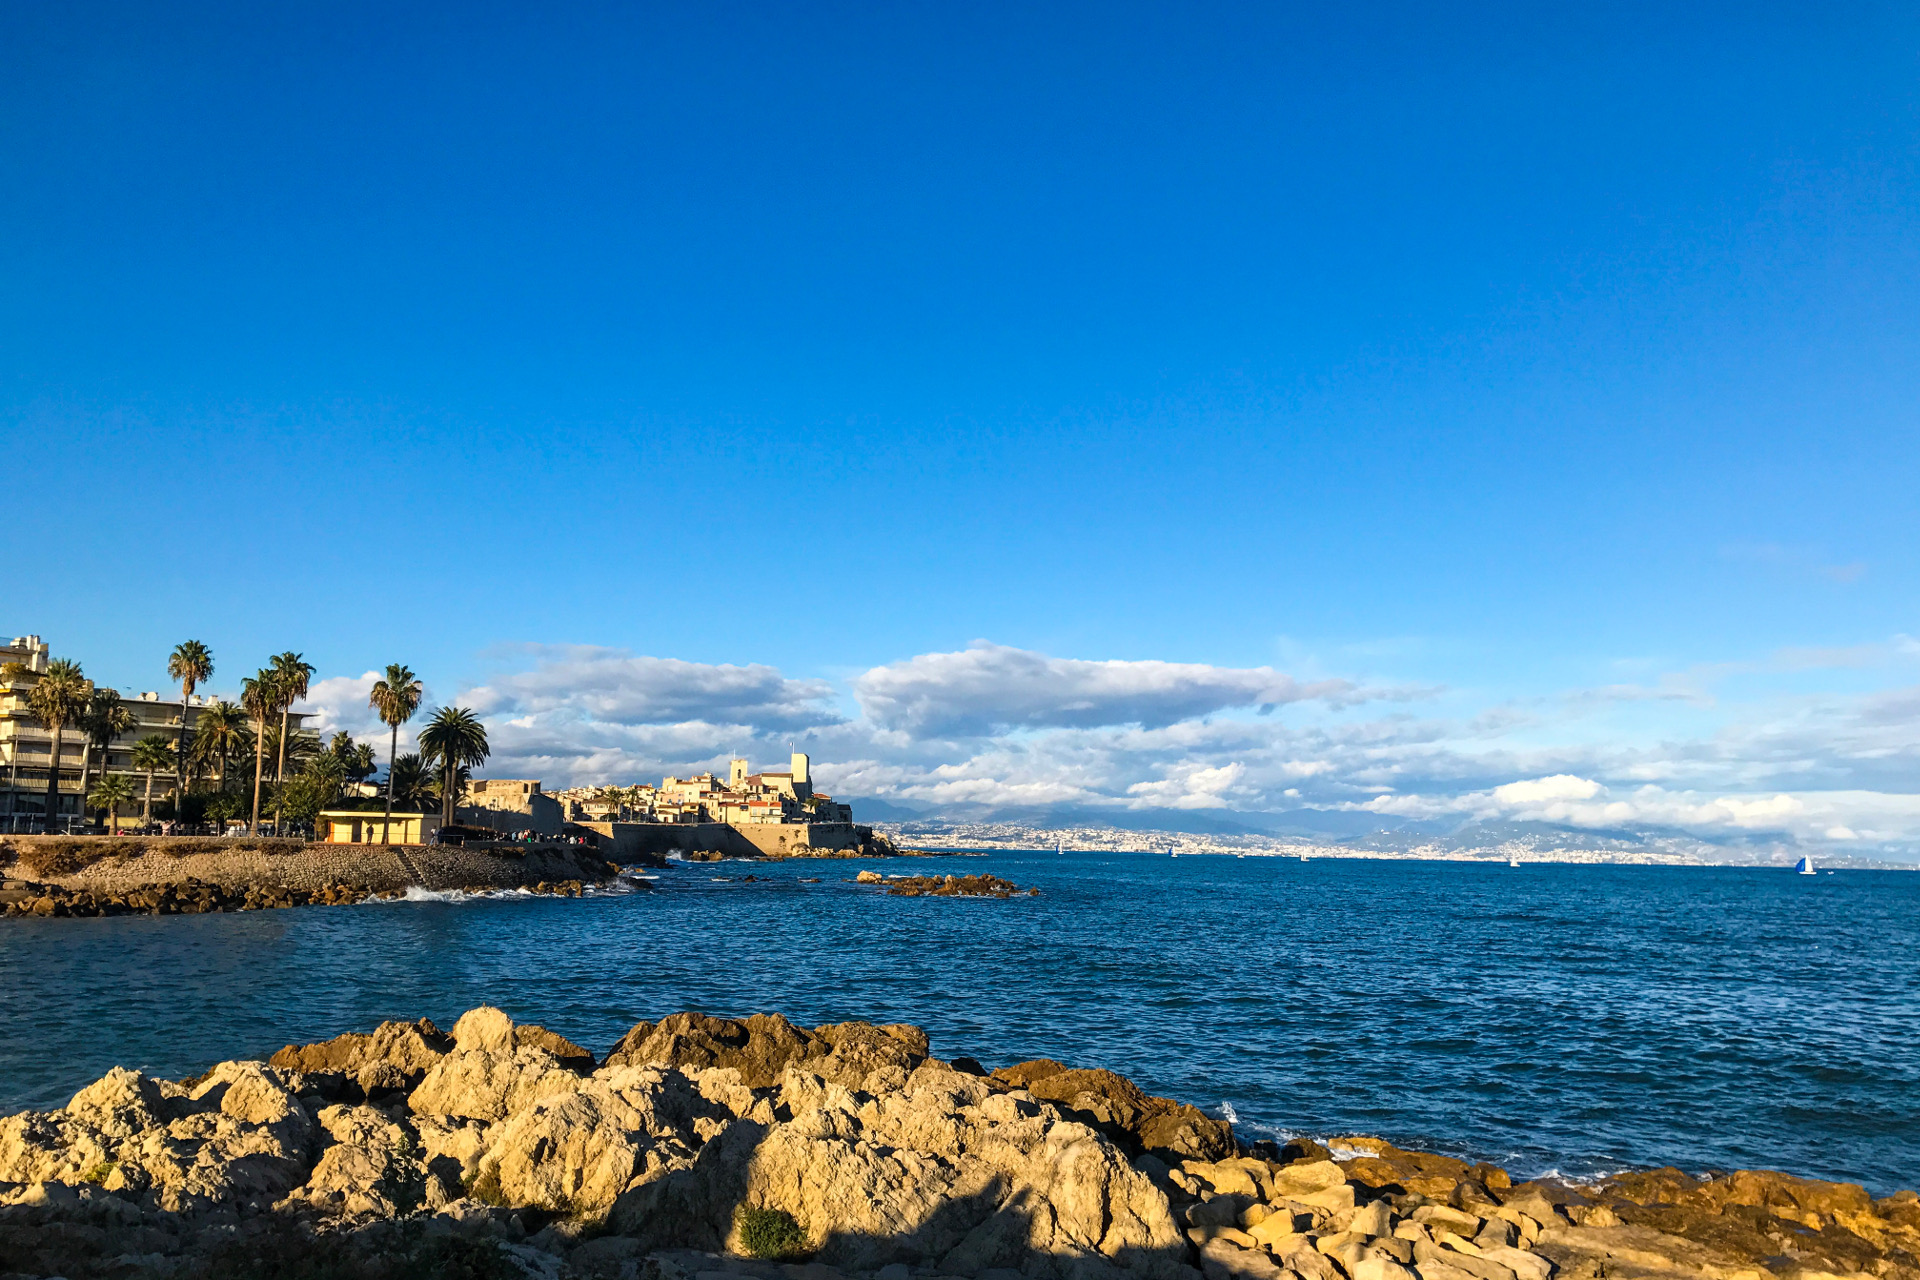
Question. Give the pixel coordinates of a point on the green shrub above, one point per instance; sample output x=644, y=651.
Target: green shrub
x=771, y=1234
x=484, y=1186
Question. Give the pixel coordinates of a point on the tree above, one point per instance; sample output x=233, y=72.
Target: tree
x=314, y=788
x=104, y=720
x=58, y=698
x=409, y=782
x=396, y=696
x=356, y=758
x=260, y=695
x=150, y=755
x=220, y=737
x=291, y=673
x=220, y=808
x=191, y=663
x=112, y=791
x=453, y=739
x=300, y=747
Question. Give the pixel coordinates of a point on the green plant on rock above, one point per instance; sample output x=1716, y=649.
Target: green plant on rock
x=405, y=1180
x=484, y=1186
x=99, y=1172
x=771, y=1234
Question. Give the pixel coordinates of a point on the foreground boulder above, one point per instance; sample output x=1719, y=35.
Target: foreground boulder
x=1123, y=1111
x=497, y=1149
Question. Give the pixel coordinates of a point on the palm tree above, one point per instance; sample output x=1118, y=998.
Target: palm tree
x=58, y=698
x=260, y=695
x=150, y=755
x=291, y=674
x=112, y=791
x=396, y=696
x=192, y=665
x=104, y=720
x=408, y=783
x=453, y=739
x=220, y=735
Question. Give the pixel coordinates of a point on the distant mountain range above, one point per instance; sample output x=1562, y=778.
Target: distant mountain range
x=1339, y=831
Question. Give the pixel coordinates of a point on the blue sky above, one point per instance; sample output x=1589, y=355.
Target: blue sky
x=1546, y=377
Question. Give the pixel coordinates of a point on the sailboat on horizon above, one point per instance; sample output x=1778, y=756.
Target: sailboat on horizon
x=1805, y=867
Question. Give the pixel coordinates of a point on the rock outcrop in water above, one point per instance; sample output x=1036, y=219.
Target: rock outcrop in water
x=501, y=1150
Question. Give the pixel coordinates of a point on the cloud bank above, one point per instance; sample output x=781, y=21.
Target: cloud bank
x=992, y=728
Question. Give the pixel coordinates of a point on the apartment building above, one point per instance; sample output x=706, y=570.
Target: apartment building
x=26, y=747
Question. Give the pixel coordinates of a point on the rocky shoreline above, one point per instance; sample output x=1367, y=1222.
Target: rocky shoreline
x=94, y=876
x=701, y=1148
x=196, y=897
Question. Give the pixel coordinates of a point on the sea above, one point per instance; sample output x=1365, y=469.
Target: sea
x=1553, y=1018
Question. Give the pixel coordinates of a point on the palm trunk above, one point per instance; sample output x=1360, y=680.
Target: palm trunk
x=146, y=801
x=446, y=793
x=393, y=746
x=259, y=766
x=86, y=773
x=180, y=758
x=53, y=779
x=280, y=772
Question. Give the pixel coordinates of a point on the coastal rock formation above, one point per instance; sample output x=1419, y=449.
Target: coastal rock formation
x=165, y=875
x=980, y=886
x=497, y=1149
x=1123, y=1111
x=195, y=897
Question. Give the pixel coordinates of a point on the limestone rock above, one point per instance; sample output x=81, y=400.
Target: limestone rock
x=947, y=1173
x=1223, y=1260
x=370, y=1166
x=490, y=1084
x=760, y=1048
x=576, y=1151
x=392, y=1059
x=1123, y=1111
x=483, y=1028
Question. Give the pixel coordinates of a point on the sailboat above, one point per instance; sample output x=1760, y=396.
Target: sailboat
x=1805, y=867
x=1060, y=848
x=1513, y=862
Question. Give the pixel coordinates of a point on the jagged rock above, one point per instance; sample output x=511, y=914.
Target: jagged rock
x=484, y=1027
x=761, y=1047
x=370, y=1165
x=392, y=1059
x=571, y=1055
x=490, y=1084
x=1124, y=1111
x=945, y=1172
x=1388, y=1167
x=576, y=1151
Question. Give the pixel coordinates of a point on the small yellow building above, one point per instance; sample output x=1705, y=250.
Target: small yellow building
x=353, y=826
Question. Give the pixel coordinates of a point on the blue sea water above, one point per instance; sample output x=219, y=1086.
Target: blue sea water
x=1578, y=1018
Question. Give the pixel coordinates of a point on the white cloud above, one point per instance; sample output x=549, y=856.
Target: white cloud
x=340, y=702
x=988, y=687
x=617, y=686
x=1561, y=786
x=993, y=727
